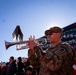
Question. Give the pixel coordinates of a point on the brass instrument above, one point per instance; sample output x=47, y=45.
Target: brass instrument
x=41, y=42
x=8, y=44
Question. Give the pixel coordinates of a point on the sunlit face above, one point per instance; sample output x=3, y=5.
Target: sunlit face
x=54, y=37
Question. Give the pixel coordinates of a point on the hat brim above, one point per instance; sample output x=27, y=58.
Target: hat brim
x=47, y=32
x=53, y=30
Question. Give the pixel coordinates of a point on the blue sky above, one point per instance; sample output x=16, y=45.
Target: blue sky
x=34, y=17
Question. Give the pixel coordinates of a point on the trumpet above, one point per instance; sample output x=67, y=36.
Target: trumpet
x=40, y=42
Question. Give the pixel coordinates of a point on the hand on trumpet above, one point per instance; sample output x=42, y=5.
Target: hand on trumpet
x=32, y=43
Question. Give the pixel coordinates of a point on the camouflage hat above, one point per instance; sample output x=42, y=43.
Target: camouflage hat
x=53, y=30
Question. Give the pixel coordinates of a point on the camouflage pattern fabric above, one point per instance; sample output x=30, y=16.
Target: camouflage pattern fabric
x=34, y=61
x=56, y=60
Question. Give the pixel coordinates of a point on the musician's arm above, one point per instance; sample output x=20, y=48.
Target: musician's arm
x=34, y=61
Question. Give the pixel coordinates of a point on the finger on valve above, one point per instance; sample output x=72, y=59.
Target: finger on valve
x=33, y=37
x=30, y=38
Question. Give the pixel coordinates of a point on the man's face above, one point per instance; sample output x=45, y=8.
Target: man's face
x=11, y=60
x=54, y=37
x=17, y=60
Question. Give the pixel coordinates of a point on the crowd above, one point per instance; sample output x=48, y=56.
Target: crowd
x=17, y=67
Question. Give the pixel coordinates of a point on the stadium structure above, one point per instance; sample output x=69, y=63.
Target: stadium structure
x=69, y=35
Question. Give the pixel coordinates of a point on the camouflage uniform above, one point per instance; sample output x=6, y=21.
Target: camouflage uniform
x=56, y=60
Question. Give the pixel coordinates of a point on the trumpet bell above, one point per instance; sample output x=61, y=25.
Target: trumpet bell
x=8, y=44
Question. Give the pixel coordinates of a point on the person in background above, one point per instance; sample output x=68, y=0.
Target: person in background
x=58, y=58
x=4, y=68
x=30, y=71
x=21, y=67
x=11, y=69
x=0, y=69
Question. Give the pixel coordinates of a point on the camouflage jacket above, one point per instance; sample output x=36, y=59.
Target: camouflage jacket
x=56, y=60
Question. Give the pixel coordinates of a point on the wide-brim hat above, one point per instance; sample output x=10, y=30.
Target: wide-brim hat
x=53, y=30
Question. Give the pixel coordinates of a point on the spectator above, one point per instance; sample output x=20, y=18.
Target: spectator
x=0, y=69
x=30, y=71
x=21, y=66
x=12, y=69
x=4, y=68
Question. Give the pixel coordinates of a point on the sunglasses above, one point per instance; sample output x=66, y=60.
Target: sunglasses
x=50, y=33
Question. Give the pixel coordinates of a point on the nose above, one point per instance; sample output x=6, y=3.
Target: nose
x=49, y=36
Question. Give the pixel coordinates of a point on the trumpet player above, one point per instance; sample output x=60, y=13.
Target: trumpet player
x=58, y=58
